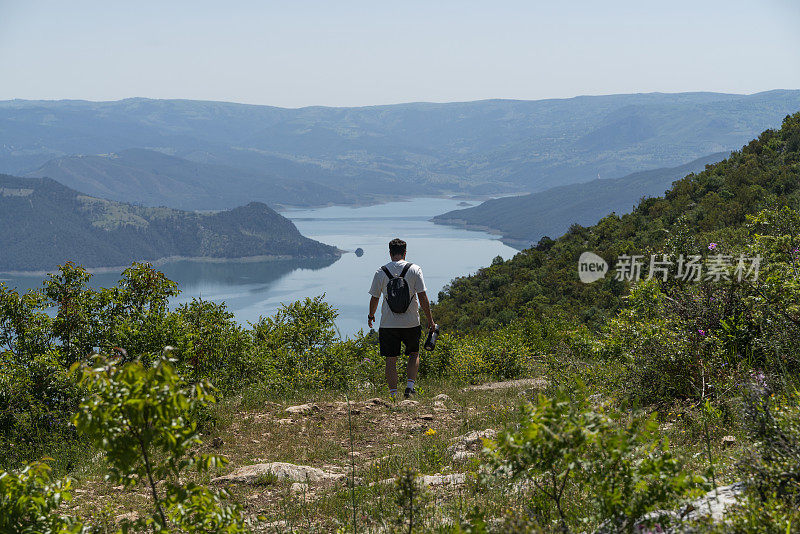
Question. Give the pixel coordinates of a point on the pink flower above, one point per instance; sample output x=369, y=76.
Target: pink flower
x=701, y=331
x=712, y=246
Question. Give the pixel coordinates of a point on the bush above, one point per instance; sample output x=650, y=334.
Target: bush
x=139, y=417
x=569, y=452
x=30, y=501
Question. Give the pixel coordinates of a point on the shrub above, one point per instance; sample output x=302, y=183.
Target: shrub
x=138, y=417
x=30, y=501
x=565, y=447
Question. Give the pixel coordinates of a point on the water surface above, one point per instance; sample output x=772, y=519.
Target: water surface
x=254, y=289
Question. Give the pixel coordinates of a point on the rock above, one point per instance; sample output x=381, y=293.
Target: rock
x=728, y=441
x=408, y=403
x=463, y=456
x=284, y=421
x=302, y=409
x=535, y=383
x=130, y=516
x=377, y=401
x=466, y=446
x=715, y=502
x=252, y=474
x=426, y=417
x=441, y=397
x=442, y=480
x=299, y=487
x=439, y=406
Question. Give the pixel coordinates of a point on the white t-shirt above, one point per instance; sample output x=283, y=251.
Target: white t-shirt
x=416, y=284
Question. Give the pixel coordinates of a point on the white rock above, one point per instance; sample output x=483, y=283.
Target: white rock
x=536, y=383
x=302, y=409
x=441, y=397
x=251, y=474
x=299, y=487
x=408, y=403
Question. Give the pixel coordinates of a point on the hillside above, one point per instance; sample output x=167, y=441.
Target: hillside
x=471, y=147
x=710, y=206
x=155, y=179
x=46, y=224
x=524, y=220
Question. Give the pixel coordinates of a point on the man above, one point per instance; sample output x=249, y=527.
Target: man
x=399, y=326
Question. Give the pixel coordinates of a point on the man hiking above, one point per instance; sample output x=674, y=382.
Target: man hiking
x=403, y=290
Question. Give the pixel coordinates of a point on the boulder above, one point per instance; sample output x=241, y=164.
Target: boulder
x=252, y=474
x=302, y=409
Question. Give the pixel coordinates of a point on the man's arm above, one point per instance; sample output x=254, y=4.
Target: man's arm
x=373, y=307
x=426, y=307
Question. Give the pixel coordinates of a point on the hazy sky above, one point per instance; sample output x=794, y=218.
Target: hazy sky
x=344, y=52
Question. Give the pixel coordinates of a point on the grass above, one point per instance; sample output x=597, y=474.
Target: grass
x=386, y=438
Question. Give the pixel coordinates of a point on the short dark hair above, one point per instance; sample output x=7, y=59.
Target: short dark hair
x=397, y=247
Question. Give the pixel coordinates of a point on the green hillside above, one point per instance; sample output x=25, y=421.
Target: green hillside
x=523, y=220
x=707, y=207
x=155, y=179
x=46, y=224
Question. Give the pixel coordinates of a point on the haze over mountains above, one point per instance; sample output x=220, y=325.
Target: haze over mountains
x=524, y=220
x=356, y=155
x=46, y=224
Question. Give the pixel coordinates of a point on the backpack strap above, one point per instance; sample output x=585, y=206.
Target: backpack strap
x=406, y=267
x=384, y=269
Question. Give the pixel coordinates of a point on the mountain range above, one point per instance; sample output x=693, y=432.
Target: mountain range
x=524, y=220
x=370, y=153
x=46, y=224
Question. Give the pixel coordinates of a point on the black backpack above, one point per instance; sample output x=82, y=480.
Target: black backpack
x=397, y=294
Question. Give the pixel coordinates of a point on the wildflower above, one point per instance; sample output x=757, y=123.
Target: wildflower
x=712, y=246
x=430, y=432
x=701, y=331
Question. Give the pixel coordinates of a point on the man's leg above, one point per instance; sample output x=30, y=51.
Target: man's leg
x=391, y=375
x=413, y=366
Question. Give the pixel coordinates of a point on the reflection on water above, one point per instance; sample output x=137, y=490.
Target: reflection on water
x=253, y=289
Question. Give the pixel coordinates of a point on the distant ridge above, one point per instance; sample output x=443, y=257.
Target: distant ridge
x=367, y=154
x=151, y=178
x=523, y=220
x=46, y=224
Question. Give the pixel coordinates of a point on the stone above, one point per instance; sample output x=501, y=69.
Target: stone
x=535, y=383
x=439, y=406
x=715, y=502
x=443, y=480
x=377, y=401
x=252, y=474
x=130, y=516
x=463, y=456
x=426, y=417
x=302, y=409
x=299, y=487
x=441, y=397
x=728, y=441
x=408, y=403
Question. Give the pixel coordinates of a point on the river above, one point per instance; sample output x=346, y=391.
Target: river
x=251, y=290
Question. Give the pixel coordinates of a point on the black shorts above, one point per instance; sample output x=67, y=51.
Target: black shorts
x=390, y=339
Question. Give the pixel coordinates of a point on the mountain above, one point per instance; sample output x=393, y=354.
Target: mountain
x=46, y=223
x=155, y=179
x=708, y=207
x=524, y=220
x=413, y=149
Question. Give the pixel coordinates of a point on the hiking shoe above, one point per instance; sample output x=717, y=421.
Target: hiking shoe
x=409, y=392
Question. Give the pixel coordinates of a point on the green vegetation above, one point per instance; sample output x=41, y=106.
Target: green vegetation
x=711, y=206
x=524, y=220
x=46, y=224
x=607, y=420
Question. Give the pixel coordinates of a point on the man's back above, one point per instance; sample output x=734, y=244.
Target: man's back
x=416, y=284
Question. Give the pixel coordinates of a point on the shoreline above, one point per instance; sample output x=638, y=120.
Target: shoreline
x=169, y=259
x=285, y=210
x=518, y=244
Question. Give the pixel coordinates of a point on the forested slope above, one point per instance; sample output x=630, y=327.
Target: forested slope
x=46, y=224
x=710, y=206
